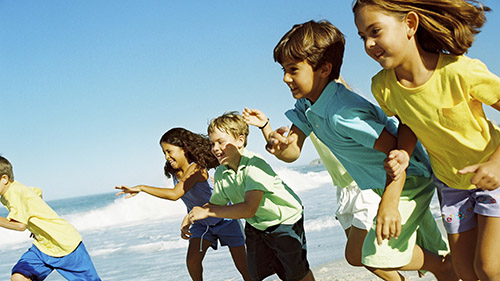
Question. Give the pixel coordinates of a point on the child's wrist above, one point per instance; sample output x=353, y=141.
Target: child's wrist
x=265, y=124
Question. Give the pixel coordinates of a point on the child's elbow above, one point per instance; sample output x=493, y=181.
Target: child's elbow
x=21, y=227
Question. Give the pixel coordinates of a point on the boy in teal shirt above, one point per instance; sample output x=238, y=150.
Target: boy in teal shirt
x=57, y=244
x=274, y=230
x=360, y=135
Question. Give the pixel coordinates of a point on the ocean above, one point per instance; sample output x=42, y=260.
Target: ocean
x=139, y=238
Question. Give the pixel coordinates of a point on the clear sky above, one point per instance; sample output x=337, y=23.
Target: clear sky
x=87, y=88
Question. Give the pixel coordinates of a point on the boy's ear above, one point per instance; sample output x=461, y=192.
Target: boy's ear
x=326, y=69
x=412, y=21
x=241, y=141
x=4, y=179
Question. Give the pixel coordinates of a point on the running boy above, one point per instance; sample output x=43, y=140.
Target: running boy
x=57, y=244
x=360, y=135
x=274, y=228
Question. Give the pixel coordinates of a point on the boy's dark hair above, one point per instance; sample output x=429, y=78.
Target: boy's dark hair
x=232, y=123
x=197, y=148
x=6, y=168
x=317, y=42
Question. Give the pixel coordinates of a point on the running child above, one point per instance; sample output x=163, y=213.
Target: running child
x=274, y=229
x=360, y=135
x=347, y=189
x=188, y=159
x=438, y=94
x=57, y=244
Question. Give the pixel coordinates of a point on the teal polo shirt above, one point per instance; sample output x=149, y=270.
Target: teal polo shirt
x=349, y=125
x=279, y=204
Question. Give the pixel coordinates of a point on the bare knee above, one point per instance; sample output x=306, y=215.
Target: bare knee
x=19, y=277
x=353, y=259
x=487, y=270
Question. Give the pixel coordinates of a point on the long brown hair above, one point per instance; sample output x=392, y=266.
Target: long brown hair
x=446, y=26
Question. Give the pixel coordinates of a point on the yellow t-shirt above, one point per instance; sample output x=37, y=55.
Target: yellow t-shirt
x=446, y=114
x=53, y=236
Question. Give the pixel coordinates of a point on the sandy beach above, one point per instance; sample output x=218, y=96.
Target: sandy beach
x=340, y=270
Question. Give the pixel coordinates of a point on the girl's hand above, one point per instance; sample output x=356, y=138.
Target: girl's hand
x=487, y=174
x=131, y=191
x=254, y=117
x=198, y=213
x=277, y=141
x=396, y=163
x=388, y=222
x=186, y=223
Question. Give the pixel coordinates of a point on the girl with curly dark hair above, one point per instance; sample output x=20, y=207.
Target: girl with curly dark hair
x=188, y=157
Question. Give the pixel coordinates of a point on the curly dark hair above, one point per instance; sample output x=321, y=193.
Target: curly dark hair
x=197, y=148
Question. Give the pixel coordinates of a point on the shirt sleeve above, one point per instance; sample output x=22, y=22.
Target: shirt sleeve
x=486, y=85
x=380, y=94
x=18, y=210
x=360, y=125
x=218, y=196
x=297, y=116
x=259, y=175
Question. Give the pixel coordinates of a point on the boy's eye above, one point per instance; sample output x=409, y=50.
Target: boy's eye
x=375, y=31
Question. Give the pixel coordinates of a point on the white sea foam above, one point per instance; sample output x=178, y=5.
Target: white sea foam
x=124, y=212
x=303, y=181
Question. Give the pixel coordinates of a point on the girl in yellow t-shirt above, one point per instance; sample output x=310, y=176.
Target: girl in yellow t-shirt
x=438, y=93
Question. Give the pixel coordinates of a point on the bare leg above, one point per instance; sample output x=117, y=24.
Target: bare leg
x=194, y=258
x=240, y=261
x=422, y=259
x=463, y=247
x=487, y=258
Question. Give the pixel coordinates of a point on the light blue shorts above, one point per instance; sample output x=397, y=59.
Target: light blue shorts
x=228, y=232
x=459, y=207
x=36, y=265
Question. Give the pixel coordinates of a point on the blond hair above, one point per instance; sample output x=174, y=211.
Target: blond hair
x=317, y=42
x=230, y=122
x=446, y=26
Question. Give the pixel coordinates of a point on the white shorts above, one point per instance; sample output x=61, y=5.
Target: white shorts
x=356, y=207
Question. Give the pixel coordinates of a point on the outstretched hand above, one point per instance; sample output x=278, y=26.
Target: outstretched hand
x=277, y=140
x=131, y=191
x=486, y=175
x=396, y=163
x=254, y=117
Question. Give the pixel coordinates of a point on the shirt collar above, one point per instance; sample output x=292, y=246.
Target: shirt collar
x=320, y=106
x=243, y=162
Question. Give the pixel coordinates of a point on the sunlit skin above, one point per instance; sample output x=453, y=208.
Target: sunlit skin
x=175, y=156
x=226, y=148
x=303, y=80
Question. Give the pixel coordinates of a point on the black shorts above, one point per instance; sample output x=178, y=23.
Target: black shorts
x=279, y=249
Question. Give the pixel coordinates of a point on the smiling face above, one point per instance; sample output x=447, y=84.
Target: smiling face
x=386, y=37
x=226, y=148
x=303, y=80
x=175, y=156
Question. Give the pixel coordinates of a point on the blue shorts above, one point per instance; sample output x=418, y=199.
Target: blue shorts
x=279, y=249
x=36, y=265
x=228, y=232
x=459, y=207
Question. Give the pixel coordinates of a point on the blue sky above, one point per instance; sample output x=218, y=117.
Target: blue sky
x=88, y=87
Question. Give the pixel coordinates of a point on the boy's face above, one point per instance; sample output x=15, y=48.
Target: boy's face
x=303, y=81
x=226, y=148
